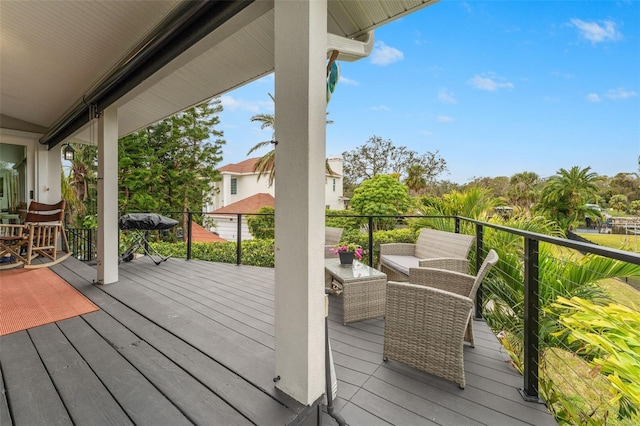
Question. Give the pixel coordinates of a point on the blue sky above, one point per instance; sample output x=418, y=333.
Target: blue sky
x=496, y=87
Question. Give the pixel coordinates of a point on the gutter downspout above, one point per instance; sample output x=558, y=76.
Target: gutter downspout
x=185, y=26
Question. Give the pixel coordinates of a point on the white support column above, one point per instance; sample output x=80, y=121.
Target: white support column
x=300, y=105
x=108, y=196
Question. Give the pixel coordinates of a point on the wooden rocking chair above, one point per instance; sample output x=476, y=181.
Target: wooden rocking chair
x=38, y=236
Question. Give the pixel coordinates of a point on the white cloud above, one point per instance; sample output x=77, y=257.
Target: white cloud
x=345, y=80
x=233, y=104
x=426, y=132
x=385, y=55
x=489, y=82
x=562, y=75
x=446, y=97
x=445, y=119
x=593, y=97
x=620, y=93
x=597, y=32
x=380, y=108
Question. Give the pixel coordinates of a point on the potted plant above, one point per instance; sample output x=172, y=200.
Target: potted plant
x=347, y=252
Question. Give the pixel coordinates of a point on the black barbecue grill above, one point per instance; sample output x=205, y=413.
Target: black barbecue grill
x=140, y=224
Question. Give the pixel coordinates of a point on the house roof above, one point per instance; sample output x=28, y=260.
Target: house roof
x=246, y=166
x=248, y=205
x=201, y=235
x=55, y=53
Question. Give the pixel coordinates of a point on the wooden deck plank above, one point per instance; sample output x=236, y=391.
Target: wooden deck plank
x=224, y=297
x=423, y=407
x=254, y=326
x=190, y=329
x=475, y=403
x=141, y=400
x=256, y=404
x=84, y=395
x=5, y=417
x=237, y=351
x=238, y=296
x=359, y=416
x=390, y=412
x=32, y=397
x=200, y=404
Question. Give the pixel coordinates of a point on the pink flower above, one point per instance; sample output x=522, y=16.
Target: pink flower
x=356, y=249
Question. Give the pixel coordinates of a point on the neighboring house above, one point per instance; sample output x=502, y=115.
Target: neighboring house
x=225, y=219
x=240, y=181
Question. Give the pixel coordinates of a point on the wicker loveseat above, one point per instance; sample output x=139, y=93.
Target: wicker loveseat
x=428, y=319
x=434, y=249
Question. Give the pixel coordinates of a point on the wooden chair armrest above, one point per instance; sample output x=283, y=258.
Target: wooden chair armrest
x=451, y=281
x=449, y=263
x=400, y=249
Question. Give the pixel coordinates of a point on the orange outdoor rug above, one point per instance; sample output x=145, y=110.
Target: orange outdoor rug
x=33, y=297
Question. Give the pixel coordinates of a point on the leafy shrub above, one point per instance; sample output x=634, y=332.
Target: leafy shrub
x=344, y=219
x=254, y=252
x=609, y=337
x=262, y=226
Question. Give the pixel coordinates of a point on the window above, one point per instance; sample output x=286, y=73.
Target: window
x=234, y=186
x=334, y=185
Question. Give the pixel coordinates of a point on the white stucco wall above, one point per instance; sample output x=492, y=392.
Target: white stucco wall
x=248, y=185
x=334, y=185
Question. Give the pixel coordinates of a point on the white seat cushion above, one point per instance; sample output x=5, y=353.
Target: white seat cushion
x=399, y=263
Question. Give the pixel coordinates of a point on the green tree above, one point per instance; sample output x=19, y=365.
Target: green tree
x=415, y=180
x=266, y=163
x=169, y=166
x=565, y=195
x=81, y=193
x=378, y=156
x=498, y=185
x=473, y=202
x=619, y=202
x=381, y=195
x=523, y=190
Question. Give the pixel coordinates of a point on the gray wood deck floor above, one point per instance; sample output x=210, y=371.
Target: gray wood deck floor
x=192, y=343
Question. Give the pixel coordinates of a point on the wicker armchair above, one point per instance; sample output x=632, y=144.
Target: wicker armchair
x=434, y=249
x=428, y=319
x=331, y=238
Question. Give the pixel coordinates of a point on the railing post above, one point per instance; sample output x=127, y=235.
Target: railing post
x=370, y=219
x=239, y=241
x=189, y=235
x=457, y=224
x=89, y=251
x=531, y=321
x=479, y=260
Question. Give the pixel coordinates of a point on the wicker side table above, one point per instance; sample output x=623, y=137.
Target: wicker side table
x=363, y=289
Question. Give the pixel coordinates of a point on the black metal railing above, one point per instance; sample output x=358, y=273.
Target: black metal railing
x=530, y=262
x=82, y=243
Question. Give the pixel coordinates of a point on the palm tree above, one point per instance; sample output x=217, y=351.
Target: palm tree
x=565, y=195
x=267, y=163
x=415, y=180
x=523, y=191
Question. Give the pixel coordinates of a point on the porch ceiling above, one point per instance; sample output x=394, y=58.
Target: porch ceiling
x=52, y=54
